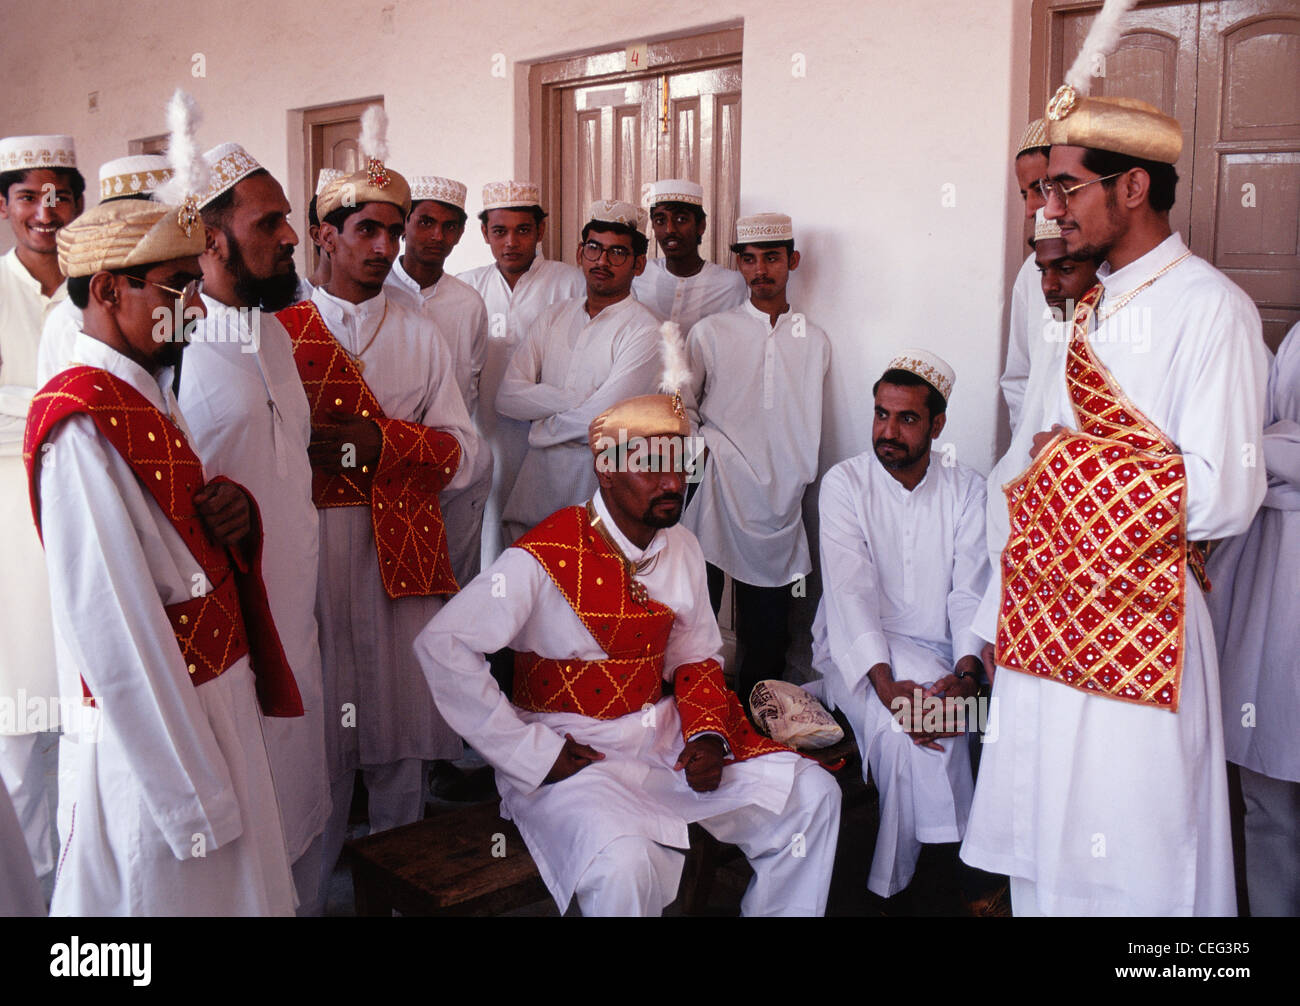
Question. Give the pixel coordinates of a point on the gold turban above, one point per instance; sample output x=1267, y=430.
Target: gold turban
x=1120, y=125
x=123, y=233
x=376, y=184
x=642, y=417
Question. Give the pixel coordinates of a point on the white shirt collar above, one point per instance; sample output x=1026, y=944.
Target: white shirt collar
x=1142, y=269
x=400, y=275
x=91, y=352
x=30, y=282
x=764, y=316
x=335, y=309
x=657, y=543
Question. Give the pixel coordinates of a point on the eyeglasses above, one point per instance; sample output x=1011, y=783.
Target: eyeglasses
x=1048, y=188
x=593, y=250
x=192, y=289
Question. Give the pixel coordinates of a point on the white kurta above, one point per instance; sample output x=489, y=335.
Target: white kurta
x=1028, y=307
x=756, y=399
x=511, y=314
x=568, y=370
x=57, y=336
x=634, y=791
x=378, y=709
x=1255, y=600
x=687, y=299
x=456, y=312
x=20, y=894
x=1048, y=808
x=175, y=809
x=904, y=573
x=249, y=419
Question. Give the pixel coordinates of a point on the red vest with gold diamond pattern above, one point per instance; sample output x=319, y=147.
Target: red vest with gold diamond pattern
x=1093, y=570
x=231, y=618
x=634, y=634
x=414, y=464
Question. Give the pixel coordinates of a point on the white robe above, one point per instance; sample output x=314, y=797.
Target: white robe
x=1023, y=346
x=20, y=894
x=904, y=573
x=175, y=809
x=511, y=314
x=687, y=299
x=1255, y=600
x=249, y=419
x=756, y=398
x=1049, y=808
x=568, y=370
x=634, y=791
x=455, y=311
x=57, y=336
x=378, y=710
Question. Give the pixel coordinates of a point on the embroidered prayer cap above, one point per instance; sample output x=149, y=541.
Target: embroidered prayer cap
x=675, y=190
x=1044, y=229
x=1035, y=136
x=760, y=228
x=230, y=164
x=132, y=176
x=122, y=233
x=1120, y=125
x=375, y=182
x=54, y=150
x=930, y=368
x=641, y=417
x=616, y=211
x=511, y=195
x=326, y=176
x=442, y=190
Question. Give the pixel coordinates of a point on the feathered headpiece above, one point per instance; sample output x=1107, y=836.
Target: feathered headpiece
x=1100, y=42
x=677, y=370
x=190, y=172
x=373, y=144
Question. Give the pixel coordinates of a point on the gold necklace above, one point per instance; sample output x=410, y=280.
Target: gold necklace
x=634, y=569
x=357, y=362
x=1123, y=299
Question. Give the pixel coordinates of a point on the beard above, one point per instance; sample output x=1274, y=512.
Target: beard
x=1101, y=246
x=895, y=462
x=653, y=519
x=270, y=293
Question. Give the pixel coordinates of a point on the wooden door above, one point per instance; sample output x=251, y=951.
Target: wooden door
x=331, y=133
x=1230, y=73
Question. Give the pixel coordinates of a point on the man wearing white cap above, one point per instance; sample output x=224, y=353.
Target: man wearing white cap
x=134, y=177
x=601, y=770
x=1023, y=330
x=1063, y=281
x=515, y=290
x=41, y=191
x=455, y=313
x=577, y=359
x=249, y=419
x=904, y=564
x=321, y=274
x=757, y=373
x=1106, y=792
x=158, y=599
x=389, y=433
x=681, y=287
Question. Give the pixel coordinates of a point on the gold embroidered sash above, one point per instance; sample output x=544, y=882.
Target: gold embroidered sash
x=1093, y=570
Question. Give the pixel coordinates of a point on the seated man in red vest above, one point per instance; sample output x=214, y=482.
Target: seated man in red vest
x=621, y=731
x=157, y=596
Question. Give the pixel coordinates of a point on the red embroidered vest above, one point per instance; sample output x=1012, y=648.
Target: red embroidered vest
x=599, y=589
x=232, y=618
x=414, y=464
x=1093, y=570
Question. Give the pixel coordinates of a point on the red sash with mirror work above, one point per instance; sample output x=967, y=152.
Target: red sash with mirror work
x=1093, y=585
x=231, y=617
x=594, y=579
x=414, y=464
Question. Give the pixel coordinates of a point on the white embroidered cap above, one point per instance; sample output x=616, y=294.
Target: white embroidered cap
x=761, y=227
x=510, y=195
x=131, y=176
x=52, y=150
x=675, y=190
x=616, y=211
x=230, y=164
x=443, y=190
x=326, y=176
x=930, y=368
x=1044, y=229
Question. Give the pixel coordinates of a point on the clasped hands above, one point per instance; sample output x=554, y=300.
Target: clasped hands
x=702, y=758
x=898, y=696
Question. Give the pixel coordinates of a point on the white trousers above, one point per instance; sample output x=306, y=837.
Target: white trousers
x=396, y=792
x=26, y=761
x=1272, y=844
x=925, y=795
x=792, y=854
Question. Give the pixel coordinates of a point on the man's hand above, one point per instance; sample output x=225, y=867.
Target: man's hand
x=341, y=431
x=225, y=512
x=1041, y=439
x=573, y=757
x=703, y=759
x=897, y=697
x=988, y=655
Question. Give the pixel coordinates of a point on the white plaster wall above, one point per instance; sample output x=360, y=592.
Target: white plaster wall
x=898, y=100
